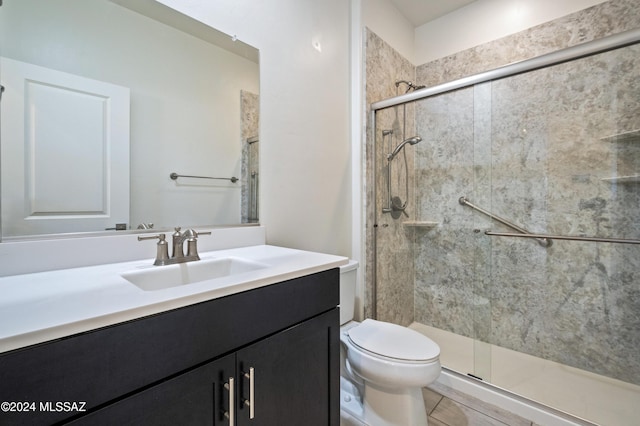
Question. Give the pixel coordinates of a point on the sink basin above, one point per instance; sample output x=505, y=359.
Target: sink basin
x=162, y=277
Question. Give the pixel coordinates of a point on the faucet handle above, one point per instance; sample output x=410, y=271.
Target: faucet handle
x=192, y=242
x=162, y=253
x=196, y=234
x=160, y=237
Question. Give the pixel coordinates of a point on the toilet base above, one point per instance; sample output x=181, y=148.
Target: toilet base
x=350, y=404
x=393, y=407
x=381, y=407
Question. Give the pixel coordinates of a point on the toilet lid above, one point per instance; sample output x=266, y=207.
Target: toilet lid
x=393, y=341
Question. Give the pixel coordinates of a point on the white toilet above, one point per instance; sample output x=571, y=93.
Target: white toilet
x=383, y=366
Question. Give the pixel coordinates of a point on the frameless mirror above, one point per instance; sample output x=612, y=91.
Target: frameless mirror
x=121, y=114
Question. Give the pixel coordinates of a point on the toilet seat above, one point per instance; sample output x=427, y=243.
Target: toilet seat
x=393, y=341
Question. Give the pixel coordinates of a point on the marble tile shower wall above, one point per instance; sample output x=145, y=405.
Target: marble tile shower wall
x=604, y=19
x=529, y=148
x=534, y=150
x=395, y=262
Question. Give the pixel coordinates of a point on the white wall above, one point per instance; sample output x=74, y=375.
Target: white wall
x=486, y=20
x=382, y=17
x=469, y=26
x=305, y=95
x=304, y=113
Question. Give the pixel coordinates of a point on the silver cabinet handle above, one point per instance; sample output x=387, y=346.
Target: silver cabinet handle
x=251, y=401
x=230, y=386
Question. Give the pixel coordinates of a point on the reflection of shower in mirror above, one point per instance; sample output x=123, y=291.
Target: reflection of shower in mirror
x=254, y=178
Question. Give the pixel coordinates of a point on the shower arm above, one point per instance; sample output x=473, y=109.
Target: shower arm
x=390, y=206
x=414, y=140
x=388, y=209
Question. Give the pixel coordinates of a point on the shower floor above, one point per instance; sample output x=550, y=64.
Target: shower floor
x=580, y=393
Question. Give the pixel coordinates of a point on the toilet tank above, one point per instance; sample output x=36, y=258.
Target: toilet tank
x=348, y=274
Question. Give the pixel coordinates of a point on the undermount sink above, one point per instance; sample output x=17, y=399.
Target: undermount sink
x=162, y=277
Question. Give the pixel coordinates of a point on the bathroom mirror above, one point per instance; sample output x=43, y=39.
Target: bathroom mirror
x=104, y=100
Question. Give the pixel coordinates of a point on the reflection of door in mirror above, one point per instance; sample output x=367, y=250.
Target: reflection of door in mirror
x=249, y=111
x=65, y=151
x=184, y=80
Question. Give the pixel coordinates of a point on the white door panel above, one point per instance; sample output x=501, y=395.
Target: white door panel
x=65, y=151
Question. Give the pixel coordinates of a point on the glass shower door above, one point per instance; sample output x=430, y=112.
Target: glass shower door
x=452, y=267
x=565, y=160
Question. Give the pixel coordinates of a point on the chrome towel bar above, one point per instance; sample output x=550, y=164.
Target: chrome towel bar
x=564, y=237
x=175, y=176
x=544, y=241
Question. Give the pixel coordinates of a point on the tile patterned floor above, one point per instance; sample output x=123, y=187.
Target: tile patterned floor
x=458, y=409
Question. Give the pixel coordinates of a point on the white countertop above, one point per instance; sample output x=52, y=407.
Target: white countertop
x=42, y=306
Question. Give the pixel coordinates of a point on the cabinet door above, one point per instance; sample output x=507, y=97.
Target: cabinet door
x=295, y=375
x=198, y=397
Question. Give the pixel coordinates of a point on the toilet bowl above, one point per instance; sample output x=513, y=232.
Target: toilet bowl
x=384, y=366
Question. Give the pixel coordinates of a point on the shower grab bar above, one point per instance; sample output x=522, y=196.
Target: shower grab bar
x=565, y=237
x=544, y=241
x=175, y=176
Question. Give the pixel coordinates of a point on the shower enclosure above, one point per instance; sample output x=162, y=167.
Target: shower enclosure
x=519, y=249
x=250, y=168
x=254, y=179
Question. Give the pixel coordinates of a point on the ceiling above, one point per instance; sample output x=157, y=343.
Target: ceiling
x=419, y=12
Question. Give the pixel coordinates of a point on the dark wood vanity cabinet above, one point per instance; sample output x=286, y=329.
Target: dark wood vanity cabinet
x=175, y=367
x=197, y=397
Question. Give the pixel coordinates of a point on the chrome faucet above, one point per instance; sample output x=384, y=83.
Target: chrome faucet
x=177, y=254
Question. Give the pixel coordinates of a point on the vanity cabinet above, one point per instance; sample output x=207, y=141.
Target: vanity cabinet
x=175, y=367
x=197, y=397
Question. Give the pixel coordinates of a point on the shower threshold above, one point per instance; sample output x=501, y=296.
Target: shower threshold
x=582, y=394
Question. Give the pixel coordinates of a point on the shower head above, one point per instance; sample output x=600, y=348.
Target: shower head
x=411, y=141
x=410, y=85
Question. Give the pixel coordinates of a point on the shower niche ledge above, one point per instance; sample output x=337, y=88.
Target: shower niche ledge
x=420, y=224
x=625, y=141
x=623, y=179
x=632, y=136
